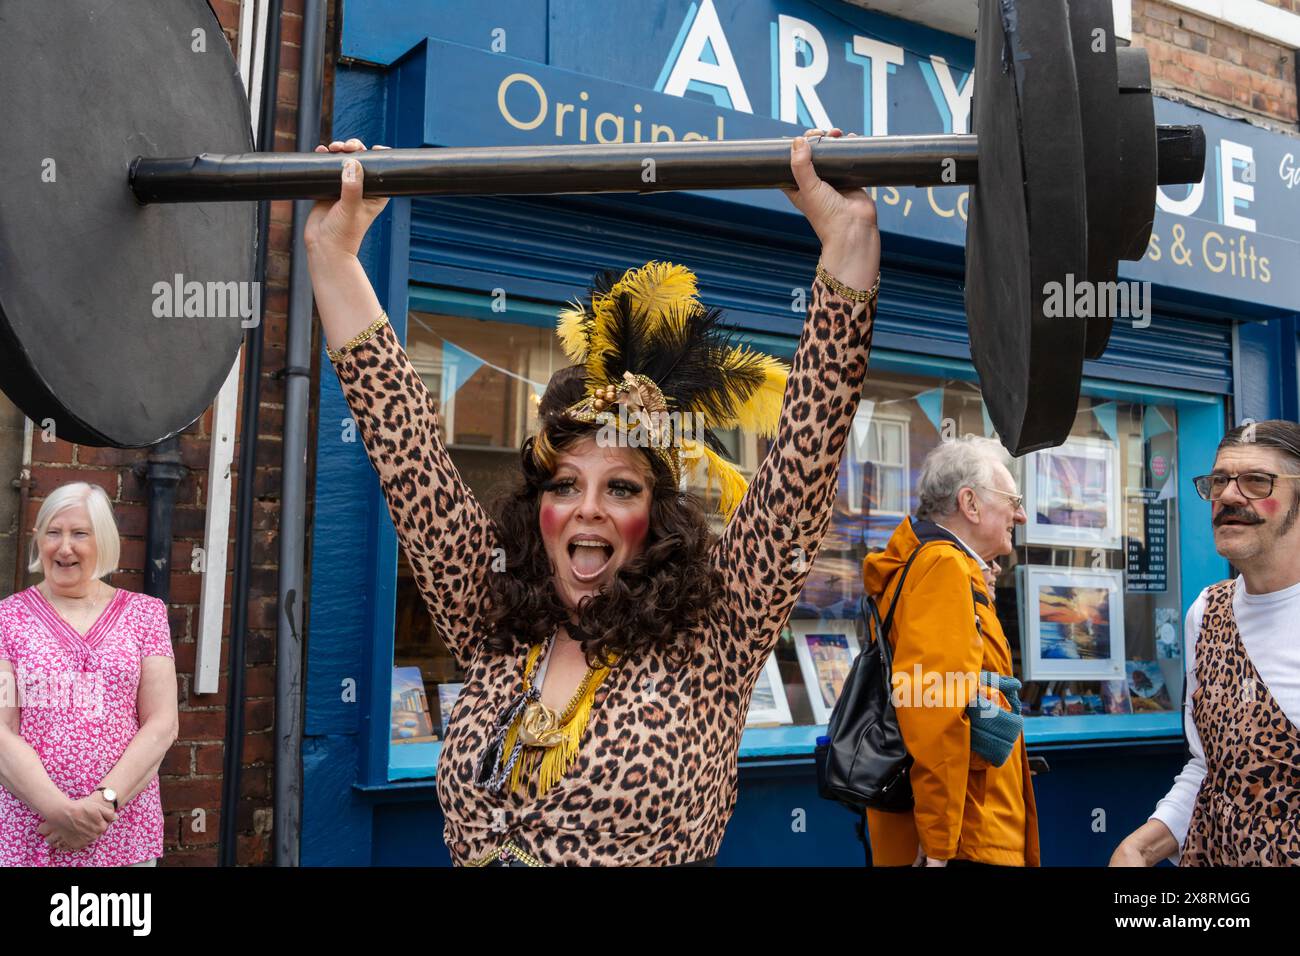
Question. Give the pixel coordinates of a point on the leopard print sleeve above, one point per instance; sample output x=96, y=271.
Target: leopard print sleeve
x=444, y=532
x=767, y=549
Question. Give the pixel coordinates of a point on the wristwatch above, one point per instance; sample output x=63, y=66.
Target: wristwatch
x=110, y=795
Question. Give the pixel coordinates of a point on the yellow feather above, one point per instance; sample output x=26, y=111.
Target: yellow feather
x=601, y=304
x=731, y=483
x=572, y=333
x=658, y=289
x=761, y=413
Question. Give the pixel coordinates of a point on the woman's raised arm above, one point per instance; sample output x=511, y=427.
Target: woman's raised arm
x=769, y=545
x=444, y=532
x=333, y=233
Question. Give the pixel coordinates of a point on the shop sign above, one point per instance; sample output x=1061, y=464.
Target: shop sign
x=540, y=73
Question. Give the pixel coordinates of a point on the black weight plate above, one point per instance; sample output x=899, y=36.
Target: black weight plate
x=1092, y=28
x=85, y=87
x=1137, y=151
x=1028, y=221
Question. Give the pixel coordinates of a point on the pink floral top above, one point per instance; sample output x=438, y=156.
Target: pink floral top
x=78, y=712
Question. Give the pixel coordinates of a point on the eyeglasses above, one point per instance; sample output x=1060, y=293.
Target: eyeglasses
x=1016, y=500
x=1253, y=485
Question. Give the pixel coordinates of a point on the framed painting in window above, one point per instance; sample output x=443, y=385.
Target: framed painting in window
x=1072, y=623
x=769, y=707
x=826, y=650
x=1072, y=496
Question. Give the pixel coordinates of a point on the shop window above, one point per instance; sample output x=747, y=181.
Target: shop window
x=1089, y=599
x=1096, y=623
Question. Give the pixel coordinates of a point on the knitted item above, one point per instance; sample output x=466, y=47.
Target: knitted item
x=994, y=731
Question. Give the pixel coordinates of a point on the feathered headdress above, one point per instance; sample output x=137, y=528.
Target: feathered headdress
x=666, y=373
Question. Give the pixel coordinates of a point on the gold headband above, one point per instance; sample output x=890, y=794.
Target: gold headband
x=647, y=423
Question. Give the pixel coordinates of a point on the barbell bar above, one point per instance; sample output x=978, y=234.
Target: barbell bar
x=599, y=168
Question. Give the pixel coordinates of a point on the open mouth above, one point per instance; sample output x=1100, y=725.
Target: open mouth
x=589, y=557
x=66, y=564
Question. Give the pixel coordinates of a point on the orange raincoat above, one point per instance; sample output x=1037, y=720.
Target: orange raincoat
x=965, y=807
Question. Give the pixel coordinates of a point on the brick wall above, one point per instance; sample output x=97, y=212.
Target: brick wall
x=191, y=772
x=1217, y=65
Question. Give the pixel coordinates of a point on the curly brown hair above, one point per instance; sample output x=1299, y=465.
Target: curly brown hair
x=654, y=599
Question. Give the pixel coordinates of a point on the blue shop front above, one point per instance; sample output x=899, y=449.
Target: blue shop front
x=1118, y=543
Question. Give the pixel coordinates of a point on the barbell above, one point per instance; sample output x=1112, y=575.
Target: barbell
x=119, y=260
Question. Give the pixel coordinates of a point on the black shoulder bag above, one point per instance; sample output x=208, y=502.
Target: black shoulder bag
x=865, y=763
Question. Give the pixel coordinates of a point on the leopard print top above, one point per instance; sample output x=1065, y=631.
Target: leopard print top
x=655, y=779
x=1248, y=808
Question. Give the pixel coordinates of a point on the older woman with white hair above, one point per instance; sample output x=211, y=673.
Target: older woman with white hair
x=87, y=699
x=974, y=805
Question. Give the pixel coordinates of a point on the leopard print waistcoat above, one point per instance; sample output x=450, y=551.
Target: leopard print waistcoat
x=1248, y=808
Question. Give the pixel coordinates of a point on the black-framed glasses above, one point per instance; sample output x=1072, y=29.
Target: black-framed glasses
x=1016, y=500
x=1253, y=485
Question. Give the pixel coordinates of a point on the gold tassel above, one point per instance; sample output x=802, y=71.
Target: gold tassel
x=557, y=760
x=518, y=770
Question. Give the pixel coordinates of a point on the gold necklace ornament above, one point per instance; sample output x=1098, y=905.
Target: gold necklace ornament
x=542, y=727
x=550, y=740
x=532, y=746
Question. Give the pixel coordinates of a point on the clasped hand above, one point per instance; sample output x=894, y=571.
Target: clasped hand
x=78, y=823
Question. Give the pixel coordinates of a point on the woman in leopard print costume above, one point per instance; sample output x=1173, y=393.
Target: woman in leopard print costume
x=607, y=735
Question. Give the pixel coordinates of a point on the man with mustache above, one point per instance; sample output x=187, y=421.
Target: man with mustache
x=1237, y=801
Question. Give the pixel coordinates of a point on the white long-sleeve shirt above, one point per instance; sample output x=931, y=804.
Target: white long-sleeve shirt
x=1269, y=625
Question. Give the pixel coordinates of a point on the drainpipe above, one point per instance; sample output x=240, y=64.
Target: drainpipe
x=250, y=402
x=162, y=472
x=293, y=488
x=24, y=485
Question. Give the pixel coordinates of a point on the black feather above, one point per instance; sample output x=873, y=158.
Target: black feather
x=691, y=353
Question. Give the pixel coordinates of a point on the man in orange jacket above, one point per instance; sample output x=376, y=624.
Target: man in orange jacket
x=945, y=632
